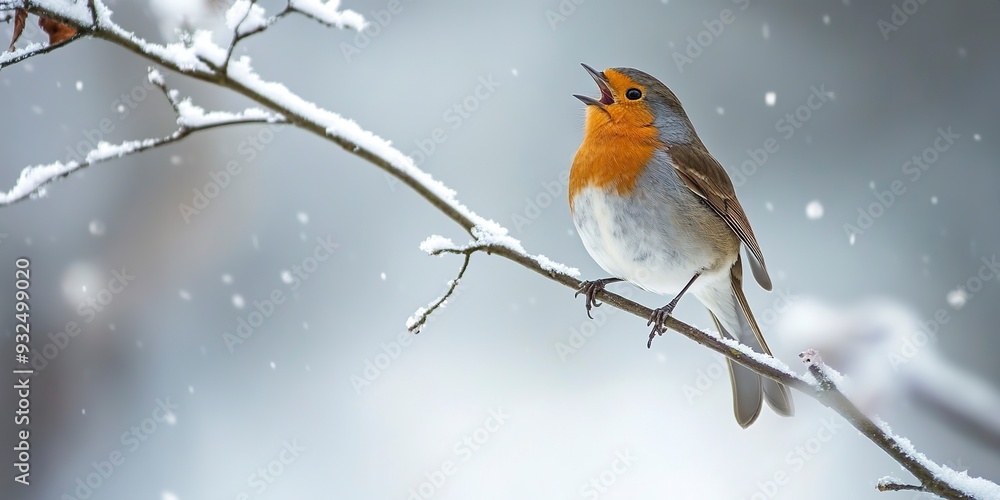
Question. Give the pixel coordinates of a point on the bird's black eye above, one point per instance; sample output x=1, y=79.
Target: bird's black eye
x=633, y=94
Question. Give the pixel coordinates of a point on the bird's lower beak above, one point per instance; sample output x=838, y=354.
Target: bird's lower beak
x=602, y=83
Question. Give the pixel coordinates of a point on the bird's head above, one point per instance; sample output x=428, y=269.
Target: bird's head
x=632, y=100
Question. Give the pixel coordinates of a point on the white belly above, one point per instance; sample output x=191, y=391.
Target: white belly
x=641, y=240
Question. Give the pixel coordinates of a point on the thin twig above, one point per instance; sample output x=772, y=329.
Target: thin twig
x=419, y=319
x=97, y=155
x=6, y=58
x=892, y=484
x=169, y=95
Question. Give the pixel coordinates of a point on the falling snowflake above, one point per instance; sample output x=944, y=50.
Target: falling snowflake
x=79, y=85
x=957, y=298
x=303, y=217
x=770, y=98
x=238, y=301
x=814, y=210
x=184, y=295
x=227, y=279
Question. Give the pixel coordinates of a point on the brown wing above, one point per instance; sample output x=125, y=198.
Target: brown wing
x=706, y=177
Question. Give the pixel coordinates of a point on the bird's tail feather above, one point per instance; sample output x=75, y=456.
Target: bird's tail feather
x=733, y=318
x=747, y=390
x=776, y=395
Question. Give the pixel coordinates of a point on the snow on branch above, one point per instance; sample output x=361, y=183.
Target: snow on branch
x=204, y=60
x=491, y=239
x=245, y=16
x=199, y=55
x=419, y=318
x=190, y=119
x=328, y=13
x=35, y=49
x=933, y=478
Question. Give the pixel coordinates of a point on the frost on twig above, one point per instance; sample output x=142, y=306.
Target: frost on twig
x=246, y=18
x=190, y=119
x=489, y=238
x=35, y=49
x=59, y=34
x=197, y=55
x=826, y=378
x=328, y=13
x=933, y=478
x=436, y=245
x=419, y=318
x=892, y=484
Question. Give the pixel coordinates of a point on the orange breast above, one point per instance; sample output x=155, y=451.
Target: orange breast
x=614, y=152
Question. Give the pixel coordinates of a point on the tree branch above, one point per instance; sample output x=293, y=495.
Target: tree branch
x=893, y=484
x=190, y=119
x=10, y=58
x=419, y=318
x=208, y=62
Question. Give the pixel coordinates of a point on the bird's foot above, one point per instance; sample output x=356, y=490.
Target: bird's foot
x=590, y=289
x=658, y=319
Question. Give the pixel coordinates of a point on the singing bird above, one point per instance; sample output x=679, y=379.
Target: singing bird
x=654, y=208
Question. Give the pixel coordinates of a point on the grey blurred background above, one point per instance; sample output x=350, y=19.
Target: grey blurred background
x=312, y=405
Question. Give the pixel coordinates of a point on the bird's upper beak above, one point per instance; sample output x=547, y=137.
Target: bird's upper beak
x=602, y=83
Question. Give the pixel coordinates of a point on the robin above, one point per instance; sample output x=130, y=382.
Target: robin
x=654, y=208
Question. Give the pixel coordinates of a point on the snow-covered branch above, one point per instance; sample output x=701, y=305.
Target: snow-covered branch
x=328, y=13
x=938, y=479
x=202, y=59
x=419, y=319
x=35, y=49
x=190, y=119
x=246, y=18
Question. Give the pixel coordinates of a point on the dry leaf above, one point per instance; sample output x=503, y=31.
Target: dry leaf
x=19, y=16
x=58, y=32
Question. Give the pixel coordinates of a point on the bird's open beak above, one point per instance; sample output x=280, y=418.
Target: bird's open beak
x=602, y=83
